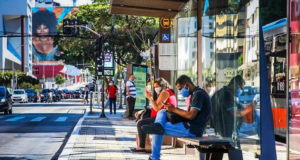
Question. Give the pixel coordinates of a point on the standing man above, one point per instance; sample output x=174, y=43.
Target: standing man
x=130, y=98
x=87, y=95
x=112, y=95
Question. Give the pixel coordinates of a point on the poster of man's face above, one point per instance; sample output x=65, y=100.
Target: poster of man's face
x=44, y=22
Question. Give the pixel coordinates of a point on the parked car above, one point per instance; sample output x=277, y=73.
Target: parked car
x=44, y=95
x=68, y=95
x=247, y=96
x=76, y=94
x=61, y=94
x=19, y=95
x=30, y=94
x=5, y=101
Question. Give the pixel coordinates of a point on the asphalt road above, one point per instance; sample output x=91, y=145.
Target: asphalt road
x=38, y=130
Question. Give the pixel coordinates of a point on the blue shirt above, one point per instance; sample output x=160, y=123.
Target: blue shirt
x=200, y=100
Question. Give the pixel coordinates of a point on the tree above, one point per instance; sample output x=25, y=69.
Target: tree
x=59, y=79
x=272, y=10
x=26, y=85
x=126, y=37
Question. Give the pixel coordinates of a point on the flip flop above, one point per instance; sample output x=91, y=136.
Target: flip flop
x=135, y=150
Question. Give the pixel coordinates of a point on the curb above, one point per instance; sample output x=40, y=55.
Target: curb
x=68, y=148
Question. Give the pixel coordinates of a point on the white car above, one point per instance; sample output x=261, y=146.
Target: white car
x=19, y=95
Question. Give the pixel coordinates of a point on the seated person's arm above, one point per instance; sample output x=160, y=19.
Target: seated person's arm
x=185, y=114
x=162, y=98
x=196, y=105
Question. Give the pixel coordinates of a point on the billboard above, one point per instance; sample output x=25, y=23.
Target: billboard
x=44, y=27
x=140, y=81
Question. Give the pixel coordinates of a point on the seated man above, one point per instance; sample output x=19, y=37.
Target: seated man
x=196, y=117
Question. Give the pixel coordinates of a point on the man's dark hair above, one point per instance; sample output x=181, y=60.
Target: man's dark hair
x=182, y=80
x=44, y=17
x=237, y=80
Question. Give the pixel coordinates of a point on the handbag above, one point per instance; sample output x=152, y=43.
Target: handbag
x=175, y=118
x=146, y=113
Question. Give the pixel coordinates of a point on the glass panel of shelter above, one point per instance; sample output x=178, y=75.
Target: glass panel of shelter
x=231, y=70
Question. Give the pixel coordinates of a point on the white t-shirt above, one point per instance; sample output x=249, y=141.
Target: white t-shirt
x=132, y=89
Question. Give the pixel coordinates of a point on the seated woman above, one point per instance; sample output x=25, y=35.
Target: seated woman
x=166, y=95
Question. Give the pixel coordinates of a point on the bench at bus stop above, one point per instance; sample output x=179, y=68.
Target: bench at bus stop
x=213, y=148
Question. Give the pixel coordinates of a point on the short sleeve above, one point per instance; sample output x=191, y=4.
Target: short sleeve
x=197, y=100
x=229, y=102
x=128, y=84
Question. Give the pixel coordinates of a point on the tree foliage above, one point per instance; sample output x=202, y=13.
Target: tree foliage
x=272, y=10
x=125, y=35
x=59, y=79
x=6, y=77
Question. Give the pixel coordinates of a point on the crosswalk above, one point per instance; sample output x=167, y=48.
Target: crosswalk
x=35, y=119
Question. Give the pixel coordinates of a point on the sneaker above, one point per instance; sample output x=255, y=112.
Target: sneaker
x=154, y=128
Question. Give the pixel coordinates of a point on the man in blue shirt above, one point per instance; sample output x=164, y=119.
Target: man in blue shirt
x=196, y=117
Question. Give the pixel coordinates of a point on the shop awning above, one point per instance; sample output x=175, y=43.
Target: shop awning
x=247, y=65
x=153, y=8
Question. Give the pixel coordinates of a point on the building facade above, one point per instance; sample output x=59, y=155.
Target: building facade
x=16, y=31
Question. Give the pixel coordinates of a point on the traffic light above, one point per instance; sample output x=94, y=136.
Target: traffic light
x=99, y=66
x=67, y=30
x=75, y=30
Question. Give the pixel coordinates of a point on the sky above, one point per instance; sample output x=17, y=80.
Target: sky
x=70, y=2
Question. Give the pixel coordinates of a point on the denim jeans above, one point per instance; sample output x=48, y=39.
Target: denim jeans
x=172, y=130
x=111, y=102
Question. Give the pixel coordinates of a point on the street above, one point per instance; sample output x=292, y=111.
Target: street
x=38, y=130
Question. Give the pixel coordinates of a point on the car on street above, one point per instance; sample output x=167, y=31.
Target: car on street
x=76, y=94
x=20, y=96
x=180, y=98
x=30, y=94
x=5, y=101
x=61, y=94
x=246, y=96
x=68, y=95
x=44, y=95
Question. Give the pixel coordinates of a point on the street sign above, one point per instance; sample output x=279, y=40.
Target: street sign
x=165, y=37
x=107, y=72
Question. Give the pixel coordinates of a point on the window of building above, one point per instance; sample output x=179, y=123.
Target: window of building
x=211, y=26
x=195, y=24
x=30, y=29
x=29, y=17
x=195, y=44
x=30, y=47
x=210, y=17
x=211, y=55
x=211, y=34
x=29, y=7
x=37, y=70
x=211, y=45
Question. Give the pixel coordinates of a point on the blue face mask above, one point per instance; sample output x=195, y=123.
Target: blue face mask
x=238, y=92
x=185, y=92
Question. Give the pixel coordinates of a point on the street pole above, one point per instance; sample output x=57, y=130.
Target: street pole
x=102, y=54
x=121, y=106
x=150, y=63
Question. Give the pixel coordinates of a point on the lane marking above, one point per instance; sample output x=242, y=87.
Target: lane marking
x=38, y=119
x=15, y=119
x=61, y=119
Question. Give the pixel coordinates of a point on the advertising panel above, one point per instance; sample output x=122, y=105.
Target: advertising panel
x=140, y=74
x=44, y=27
x=108, y=60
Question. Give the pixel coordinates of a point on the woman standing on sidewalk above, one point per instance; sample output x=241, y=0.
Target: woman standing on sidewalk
x=166, y=95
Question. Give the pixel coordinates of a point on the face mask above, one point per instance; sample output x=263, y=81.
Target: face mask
x=110, y=84
x=238, y=92
x=185, y=92
x=157, y=89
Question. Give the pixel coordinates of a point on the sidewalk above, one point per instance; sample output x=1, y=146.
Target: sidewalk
x=112, y=138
